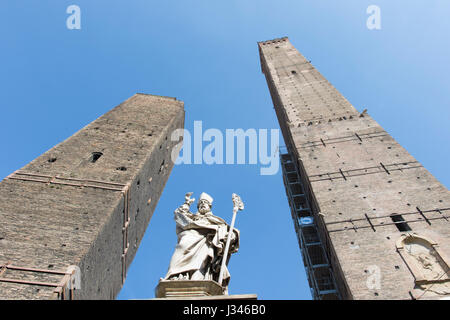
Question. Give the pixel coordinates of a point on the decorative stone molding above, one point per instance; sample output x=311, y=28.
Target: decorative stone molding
x=427, y=263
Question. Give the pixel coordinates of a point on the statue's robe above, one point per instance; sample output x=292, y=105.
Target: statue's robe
x=201, y=242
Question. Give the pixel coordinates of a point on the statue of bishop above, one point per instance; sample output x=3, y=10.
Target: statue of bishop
x=201, y=243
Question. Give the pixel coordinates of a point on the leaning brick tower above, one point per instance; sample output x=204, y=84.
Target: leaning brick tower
x=371, y=221
x=71, y=220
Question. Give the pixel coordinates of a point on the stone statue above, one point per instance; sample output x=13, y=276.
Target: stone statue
x=424, y=258
x=429, y=264
x=201, y=243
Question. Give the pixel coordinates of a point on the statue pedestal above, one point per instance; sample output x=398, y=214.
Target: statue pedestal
x=187, y=288
x=195, y=289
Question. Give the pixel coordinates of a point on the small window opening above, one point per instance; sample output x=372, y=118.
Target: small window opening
x=294, y=72
x=95, y=156
x=161, y=168
x=400, y=223
x=51, y=160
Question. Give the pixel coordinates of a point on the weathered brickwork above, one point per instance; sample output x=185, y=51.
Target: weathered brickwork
x=71, y=205
x=358, y=175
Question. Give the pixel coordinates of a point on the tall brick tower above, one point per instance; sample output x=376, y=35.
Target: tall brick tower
x=72, y=219
x=371, y=221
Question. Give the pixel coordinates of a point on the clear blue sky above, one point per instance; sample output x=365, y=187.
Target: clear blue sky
x=54, y=81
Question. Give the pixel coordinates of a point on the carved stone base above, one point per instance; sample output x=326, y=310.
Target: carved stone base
x=187, y=288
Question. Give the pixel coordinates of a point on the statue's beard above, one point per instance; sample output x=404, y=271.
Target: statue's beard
x=203, y=209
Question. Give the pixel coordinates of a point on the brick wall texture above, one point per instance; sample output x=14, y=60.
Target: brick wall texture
x=87, y=201
x=354, y=168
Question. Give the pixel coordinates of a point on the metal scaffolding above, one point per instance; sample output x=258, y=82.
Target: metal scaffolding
x=320, y=275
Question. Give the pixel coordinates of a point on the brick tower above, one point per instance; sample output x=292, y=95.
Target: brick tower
x=72, y=219
x=371, y=221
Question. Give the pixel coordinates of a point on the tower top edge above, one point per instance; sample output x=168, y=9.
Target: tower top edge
x=273, y=41
x=158, y=96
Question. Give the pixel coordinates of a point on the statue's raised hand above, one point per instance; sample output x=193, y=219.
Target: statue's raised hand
x=187, y=198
